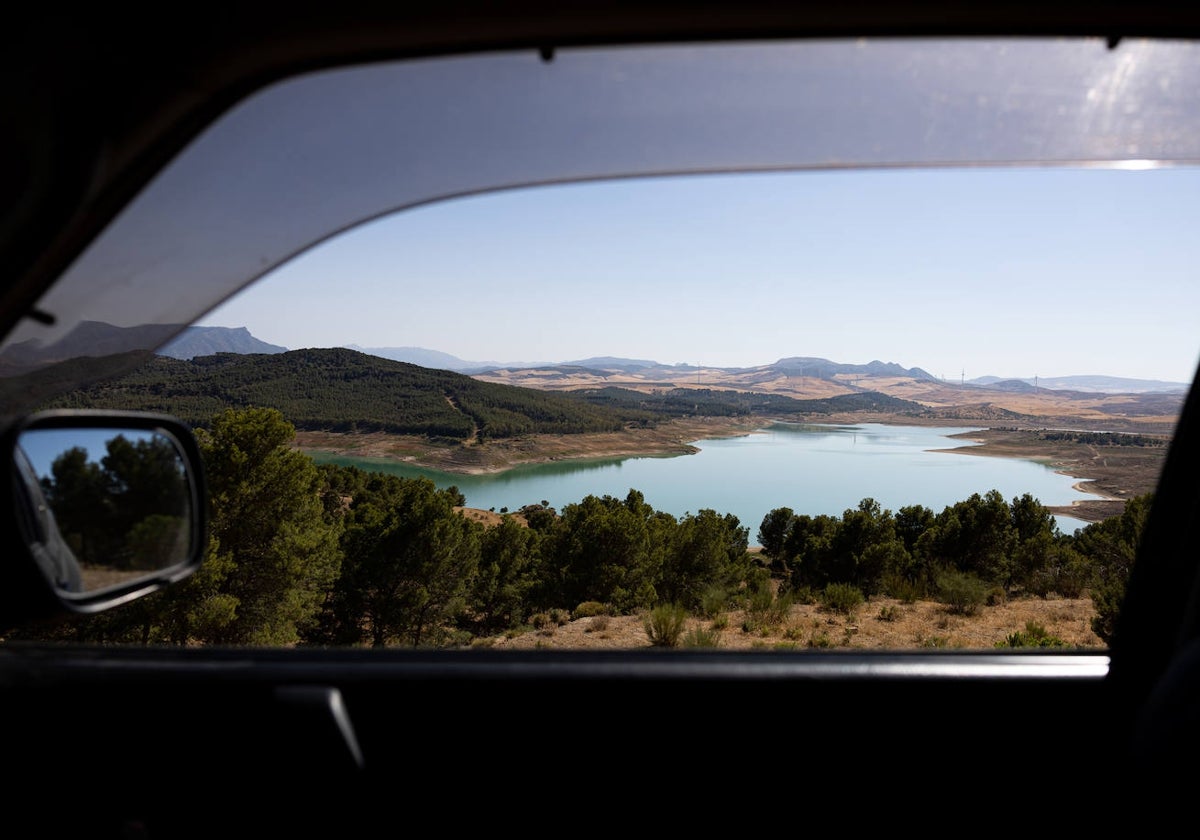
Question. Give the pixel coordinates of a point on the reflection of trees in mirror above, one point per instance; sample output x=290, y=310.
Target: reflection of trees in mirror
x=126, y=513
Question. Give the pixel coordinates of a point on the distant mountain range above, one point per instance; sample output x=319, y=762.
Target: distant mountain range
x=825, y=369
x=205, y=341
x=1089, y=384
x=804, y=366
x=90, y=339
x=96, y=339
x=339, y=389
x=427, y=358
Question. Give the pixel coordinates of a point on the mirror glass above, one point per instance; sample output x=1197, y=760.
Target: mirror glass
x=104, y=505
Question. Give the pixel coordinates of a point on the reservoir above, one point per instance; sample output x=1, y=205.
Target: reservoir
x=810, y=468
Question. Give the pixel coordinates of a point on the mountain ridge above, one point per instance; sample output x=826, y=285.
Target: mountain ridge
x=94, y=338
x=811, y=366
x=1092, y=383
x=344, y=390
x=207, y=341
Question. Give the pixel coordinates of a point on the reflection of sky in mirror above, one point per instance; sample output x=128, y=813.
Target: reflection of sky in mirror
x=43, y=446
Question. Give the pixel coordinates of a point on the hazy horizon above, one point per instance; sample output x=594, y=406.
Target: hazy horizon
x=549, y=362
x=964, y=273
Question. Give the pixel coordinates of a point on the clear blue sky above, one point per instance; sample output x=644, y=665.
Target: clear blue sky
x=1005, y=272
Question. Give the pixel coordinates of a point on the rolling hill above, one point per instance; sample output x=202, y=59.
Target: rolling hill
x=1088, y=384
x=455, y=398
x=339, y=389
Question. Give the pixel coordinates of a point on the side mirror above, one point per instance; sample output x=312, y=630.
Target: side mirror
x=107, y=507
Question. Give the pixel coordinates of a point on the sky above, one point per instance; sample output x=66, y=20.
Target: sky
x=1011, y=272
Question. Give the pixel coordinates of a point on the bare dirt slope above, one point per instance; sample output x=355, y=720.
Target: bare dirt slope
x=670, y=438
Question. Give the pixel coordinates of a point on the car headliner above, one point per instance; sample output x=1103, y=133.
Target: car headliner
x=309, y=157
x=99, y=99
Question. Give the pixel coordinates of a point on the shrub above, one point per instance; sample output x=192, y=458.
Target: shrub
x=720, y=622
x=598, y=624
x=560, y=616
x=1073, y=580
x=1069, y=581
x=590, y=608
x=702, y=638
x=901, y=588
x=841, y=598
x=781, y=608
x=1107, y=598
x=664, y=625
x=803, y=595
x=819, y=640
x=1034, y=635
x=714, y=601
x=540, y=620
x=764, y=610
x=458, y=638
x=760, y=600
x=888, y=613
x=962, y=592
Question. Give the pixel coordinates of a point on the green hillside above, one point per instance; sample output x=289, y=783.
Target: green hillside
x=344, y=390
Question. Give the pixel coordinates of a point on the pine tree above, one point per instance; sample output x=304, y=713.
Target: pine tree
x=269, y=527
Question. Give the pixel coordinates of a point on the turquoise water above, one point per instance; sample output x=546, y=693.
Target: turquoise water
x=813, y=469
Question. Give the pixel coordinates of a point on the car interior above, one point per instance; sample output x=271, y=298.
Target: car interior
x=154, y=170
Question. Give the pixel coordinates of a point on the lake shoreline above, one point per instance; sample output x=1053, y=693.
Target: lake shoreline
x=1111, y=473
x=1110, y=479
x=676, y=437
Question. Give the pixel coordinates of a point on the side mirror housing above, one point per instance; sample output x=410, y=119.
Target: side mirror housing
x=104, y=507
